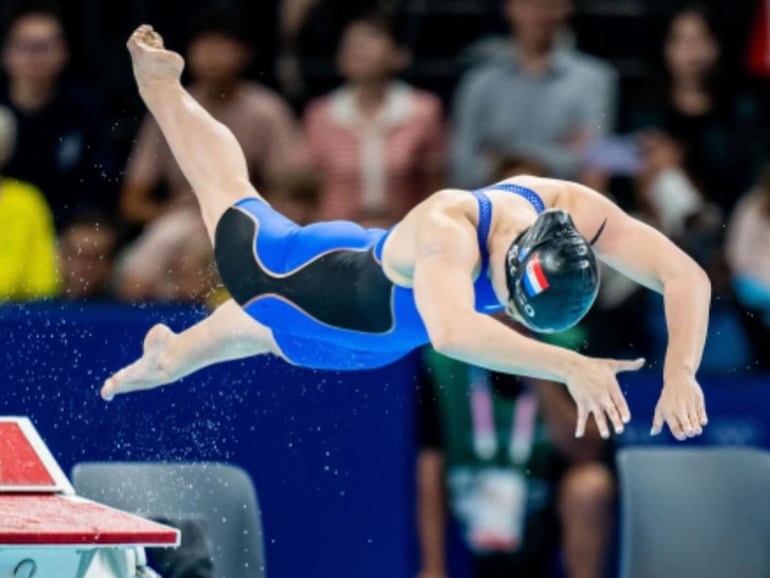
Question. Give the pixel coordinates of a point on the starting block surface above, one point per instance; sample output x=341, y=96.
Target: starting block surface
x=52, y=520
x=38, y=506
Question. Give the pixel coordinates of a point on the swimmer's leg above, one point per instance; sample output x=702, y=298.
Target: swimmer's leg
x=228, y=333
x=207, y=152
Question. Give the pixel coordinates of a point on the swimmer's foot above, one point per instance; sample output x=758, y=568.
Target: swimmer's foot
x=153, y=64
x=148, y=372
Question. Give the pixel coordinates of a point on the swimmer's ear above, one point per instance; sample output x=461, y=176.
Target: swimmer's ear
x=598, y=233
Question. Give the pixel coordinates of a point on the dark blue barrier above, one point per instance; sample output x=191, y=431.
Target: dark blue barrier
x=331, y=454
x=738, y=408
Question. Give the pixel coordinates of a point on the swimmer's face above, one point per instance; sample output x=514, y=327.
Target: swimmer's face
x=367, y=53
x=35, y=50
x=537, y=22
x=215, y=59
x=691, y=50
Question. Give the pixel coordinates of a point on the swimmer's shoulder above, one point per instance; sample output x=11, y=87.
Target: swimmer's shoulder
x=449, y=202
x=456, y=204
x=399, y=252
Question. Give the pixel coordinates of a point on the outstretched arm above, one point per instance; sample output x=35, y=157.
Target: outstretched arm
x=228, y=333
x=649, y=258
x=447, y=253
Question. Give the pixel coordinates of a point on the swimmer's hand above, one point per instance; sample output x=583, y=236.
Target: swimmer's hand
x=593, y=385
x=681, y=406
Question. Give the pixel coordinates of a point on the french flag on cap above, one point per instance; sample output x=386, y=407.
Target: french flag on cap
x=535, y=281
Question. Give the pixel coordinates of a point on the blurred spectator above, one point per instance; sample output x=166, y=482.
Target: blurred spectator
x=748, y=255
x=516, y=476
x=218, y=53
x=511, y=166
x=375, y=219
x=295, y=194
x=757, y=60
x=310, y=30
x=62, y=145
x=705, y=133
x=698, y=148
x=377, y=143
x=27, y=236
x=171, y=262
x=87, y=248
x=536, y=98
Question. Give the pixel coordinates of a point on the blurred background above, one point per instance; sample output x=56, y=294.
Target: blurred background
x=359, y=110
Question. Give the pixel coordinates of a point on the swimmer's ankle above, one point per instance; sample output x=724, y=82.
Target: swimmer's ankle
x=153, y=89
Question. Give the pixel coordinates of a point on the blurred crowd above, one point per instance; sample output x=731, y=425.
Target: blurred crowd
x=686, y=151
x=683, y=151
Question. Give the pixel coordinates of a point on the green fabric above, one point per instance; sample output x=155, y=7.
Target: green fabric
x=543, y=470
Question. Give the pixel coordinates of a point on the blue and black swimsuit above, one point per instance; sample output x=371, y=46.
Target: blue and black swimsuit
x=321, y=288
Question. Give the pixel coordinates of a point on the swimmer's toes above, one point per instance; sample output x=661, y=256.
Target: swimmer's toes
x=108, y=390
x=147, y=35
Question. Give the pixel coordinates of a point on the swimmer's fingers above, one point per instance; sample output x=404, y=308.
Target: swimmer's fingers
x=582, y=418
x=682, y=407
x=613, y=413
x=676, y=425
x=595, y=389
x=657, y=422
x=601, y=422
x=703, y=419
x=692, y=414
x=620, y=365
x=620, y=402
x=677, y=428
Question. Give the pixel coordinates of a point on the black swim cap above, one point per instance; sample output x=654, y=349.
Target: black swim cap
x=553, y=278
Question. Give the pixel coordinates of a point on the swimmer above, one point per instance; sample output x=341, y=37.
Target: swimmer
x=338, y=296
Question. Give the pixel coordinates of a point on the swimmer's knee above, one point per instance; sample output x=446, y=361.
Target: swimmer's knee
x=215, y=202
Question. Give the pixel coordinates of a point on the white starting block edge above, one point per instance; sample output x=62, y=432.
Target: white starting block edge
x=61, y=483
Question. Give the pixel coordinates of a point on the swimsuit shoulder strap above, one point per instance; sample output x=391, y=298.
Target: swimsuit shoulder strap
x=485, y=221
x=528, y=194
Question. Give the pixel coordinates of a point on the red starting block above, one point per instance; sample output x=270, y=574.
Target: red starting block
x=46, y=530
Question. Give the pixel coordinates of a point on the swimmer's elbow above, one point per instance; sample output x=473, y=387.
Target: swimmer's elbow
x=448, y=339
x=688, y=274
x=704, y=283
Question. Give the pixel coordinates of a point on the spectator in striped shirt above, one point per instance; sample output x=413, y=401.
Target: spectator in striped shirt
x=377, y=143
